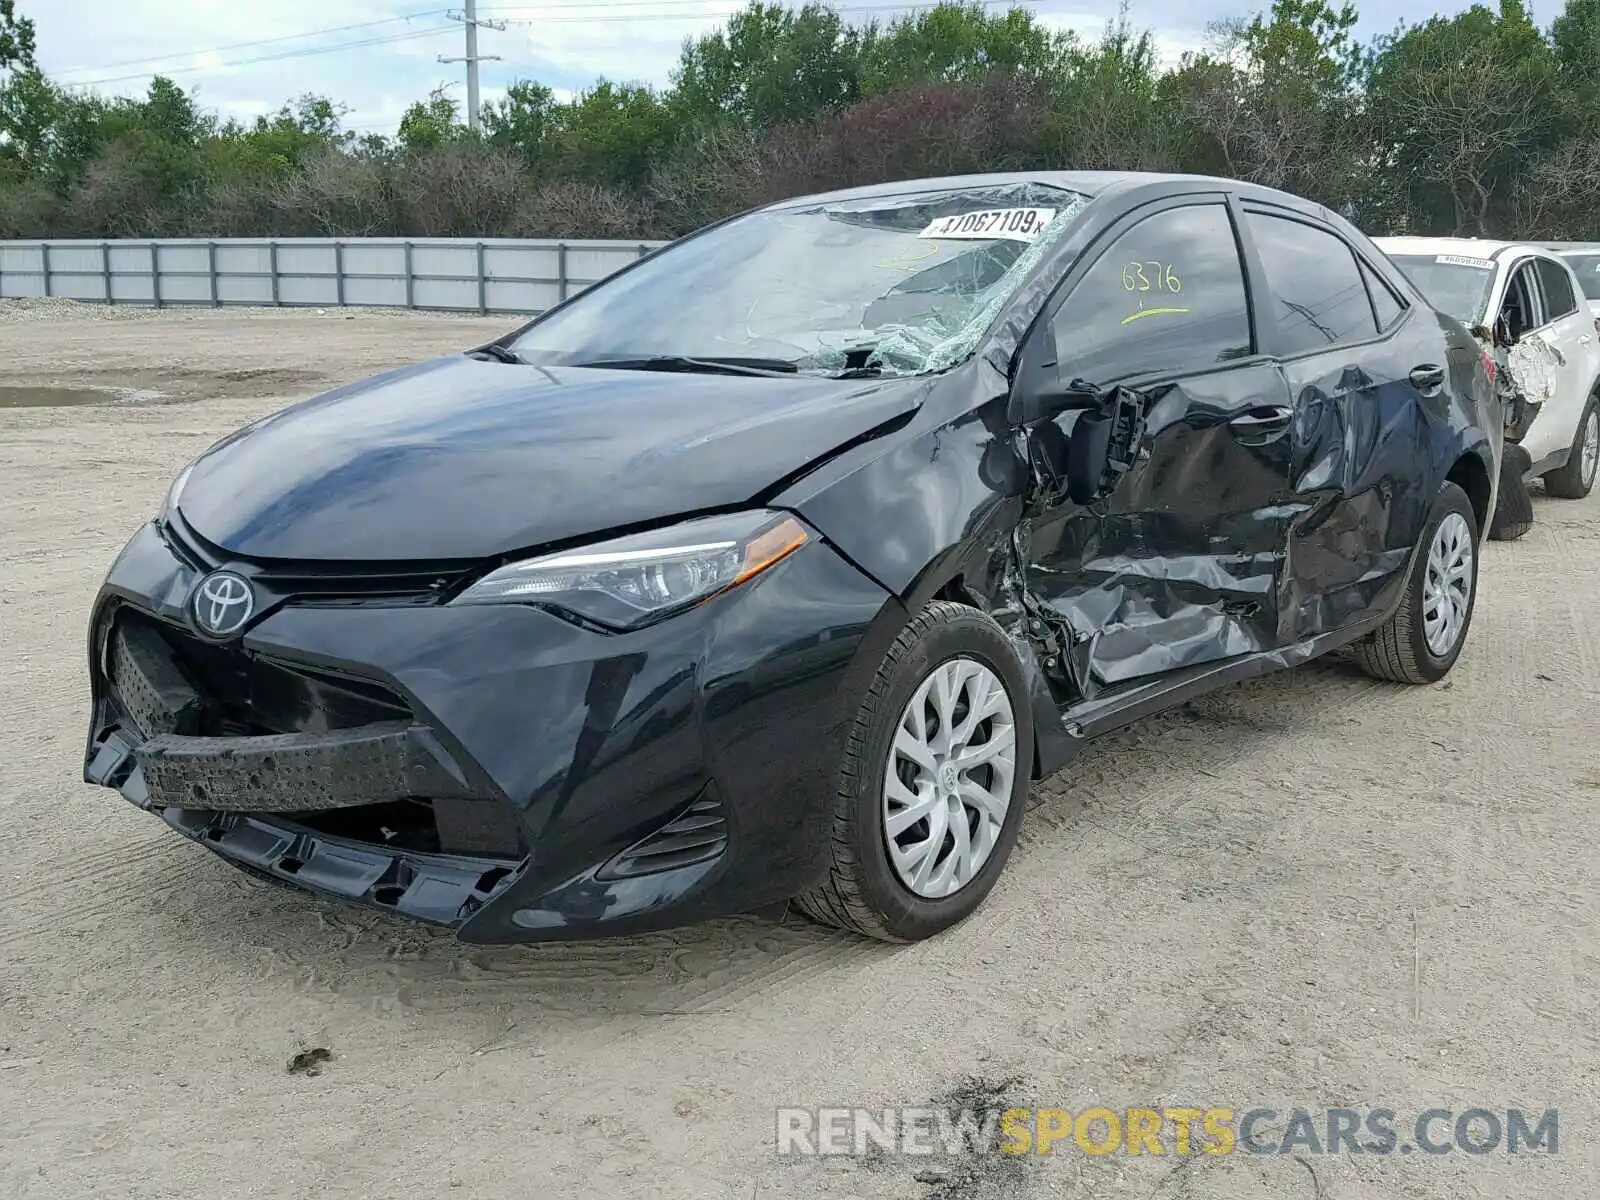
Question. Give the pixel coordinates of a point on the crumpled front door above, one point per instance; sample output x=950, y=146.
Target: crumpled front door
x=1536, y=368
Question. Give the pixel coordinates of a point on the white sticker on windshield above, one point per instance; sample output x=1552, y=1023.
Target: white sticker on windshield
x=1457, y=260
x=1013, y=224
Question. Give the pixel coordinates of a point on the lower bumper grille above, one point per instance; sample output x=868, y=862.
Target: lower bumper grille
x=697, y=834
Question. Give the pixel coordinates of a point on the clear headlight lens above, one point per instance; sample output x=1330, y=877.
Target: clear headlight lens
x=634, y=580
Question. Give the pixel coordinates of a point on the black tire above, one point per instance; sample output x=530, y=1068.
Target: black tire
x=1513, y=511
x=862, y=892
x=1569, y=482
x=1398, y=649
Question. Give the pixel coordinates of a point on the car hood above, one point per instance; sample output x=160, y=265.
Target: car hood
x=459, y=458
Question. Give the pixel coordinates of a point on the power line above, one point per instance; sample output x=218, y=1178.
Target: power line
x=535, y=9
x=288, y=37
x=335, y=48
x=721, y=14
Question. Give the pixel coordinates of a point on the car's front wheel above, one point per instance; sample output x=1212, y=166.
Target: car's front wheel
x=933, y=783
x=1574, y=481
x=1423, y=639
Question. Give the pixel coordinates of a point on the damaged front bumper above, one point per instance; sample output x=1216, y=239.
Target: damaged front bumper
x=498, y=771
x=239, y=796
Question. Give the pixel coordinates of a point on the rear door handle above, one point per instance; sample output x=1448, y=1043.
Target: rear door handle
x=1427, y=378
x=1261, y=424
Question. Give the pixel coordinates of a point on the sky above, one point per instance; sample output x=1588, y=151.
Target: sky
x=377, y=56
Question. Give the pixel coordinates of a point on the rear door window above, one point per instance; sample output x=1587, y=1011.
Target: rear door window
x=1317, y=297
x=1558, y=298
x=1385, y=304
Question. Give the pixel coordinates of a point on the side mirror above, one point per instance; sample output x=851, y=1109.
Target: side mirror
x=1034, y=406
x=1088, y=456
x=1102, y=444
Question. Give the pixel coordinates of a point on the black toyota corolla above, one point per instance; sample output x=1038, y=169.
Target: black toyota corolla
x=779, y=564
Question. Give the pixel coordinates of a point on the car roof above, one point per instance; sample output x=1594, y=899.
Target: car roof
x=1094, y=184
x=1485, y=248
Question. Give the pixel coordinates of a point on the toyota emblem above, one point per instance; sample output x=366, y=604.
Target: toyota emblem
x=222, y=604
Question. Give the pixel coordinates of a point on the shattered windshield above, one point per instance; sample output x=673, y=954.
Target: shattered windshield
x=1587, y=268
x=1452, y=283
x=893, y=285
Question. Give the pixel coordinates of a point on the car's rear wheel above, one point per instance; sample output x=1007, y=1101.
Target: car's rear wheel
x=1423, y=639
x=933, y=783
x=1574, y=481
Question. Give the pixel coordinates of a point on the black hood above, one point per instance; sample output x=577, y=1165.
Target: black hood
x=457, y=458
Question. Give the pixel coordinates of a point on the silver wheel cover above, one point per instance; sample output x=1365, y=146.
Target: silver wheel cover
x=1447, y=587
x=947, y=784
x=1590, y=447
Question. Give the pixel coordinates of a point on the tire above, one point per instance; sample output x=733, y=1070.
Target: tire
x=1573, y=481
x=1513, y=511
x=1399, y=649
x=864, y=891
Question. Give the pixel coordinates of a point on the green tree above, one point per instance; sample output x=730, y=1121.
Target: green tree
x=770, y=65
x=1278, y=103
x=1575, y=37
x=612, y=134
x=523, y=122
x=956, y=43
x=1105, y=106
x=1460, y=108
x=429, y=124
x=16, y=38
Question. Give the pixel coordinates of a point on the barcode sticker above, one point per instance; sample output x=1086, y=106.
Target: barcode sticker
x=1014, y=224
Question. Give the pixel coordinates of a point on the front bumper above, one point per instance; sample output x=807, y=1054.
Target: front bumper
x=583, y=783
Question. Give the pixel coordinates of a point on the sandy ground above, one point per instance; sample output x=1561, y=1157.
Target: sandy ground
x=1310, y=891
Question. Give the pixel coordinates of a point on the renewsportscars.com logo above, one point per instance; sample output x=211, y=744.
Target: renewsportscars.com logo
x=1168, y=1130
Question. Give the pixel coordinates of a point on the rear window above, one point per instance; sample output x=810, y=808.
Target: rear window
x=1452, y=283
x=1558, y=299
x=1587, y=268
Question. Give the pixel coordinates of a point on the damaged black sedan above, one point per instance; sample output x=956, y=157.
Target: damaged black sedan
x=779, y=564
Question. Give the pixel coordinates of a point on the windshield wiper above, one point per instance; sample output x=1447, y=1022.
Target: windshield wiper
x=770, y=367
x=499, y=353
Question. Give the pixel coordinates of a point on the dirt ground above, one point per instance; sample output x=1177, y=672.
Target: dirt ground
x=1310, y=891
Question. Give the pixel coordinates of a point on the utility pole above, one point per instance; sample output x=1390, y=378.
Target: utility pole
x=469, y=20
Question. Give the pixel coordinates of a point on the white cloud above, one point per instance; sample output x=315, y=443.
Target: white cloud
x=385, y=56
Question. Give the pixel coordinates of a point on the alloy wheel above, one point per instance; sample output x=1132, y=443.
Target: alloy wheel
x=1447, y=589
x=947, y=784
x=1591, y=447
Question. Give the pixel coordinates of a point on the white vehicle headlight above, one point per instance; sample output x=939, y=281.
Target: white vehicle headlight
x=629, y=582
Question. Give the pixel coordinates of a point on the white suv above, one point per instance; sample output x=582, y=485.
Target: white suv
x=1526, y=301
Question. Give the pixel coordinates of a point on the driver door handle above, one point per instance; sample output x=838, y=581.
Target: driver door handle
x=1427, y=378
x=1262, y=423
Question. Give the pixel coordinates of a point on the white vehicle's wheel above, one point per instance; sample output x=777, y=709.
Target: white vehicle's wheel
x=1574, y=481
x=1513, y=511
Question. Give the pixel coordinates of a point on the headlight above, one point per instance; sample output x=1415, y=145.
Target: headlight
x=634, y=580
x=173, y=492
